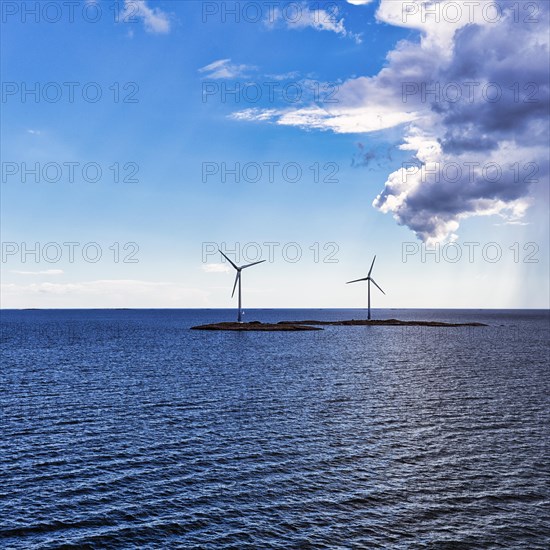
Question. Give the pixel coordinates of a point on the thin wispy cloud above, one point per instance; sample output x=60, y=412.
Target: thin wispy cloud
x=215, y=268
x=105, y=293
x=318, y=19
x=225, y=69
x=291, y=75
x=340, y=119
x=257, y=115
x=42, y=272
x=154, y=20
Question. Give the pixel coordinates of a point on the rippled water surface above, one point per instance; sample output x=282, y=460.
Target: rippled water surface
x=125, y=429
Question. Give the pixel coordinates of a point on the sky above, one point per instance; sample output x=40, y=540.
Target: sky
x=139, y=136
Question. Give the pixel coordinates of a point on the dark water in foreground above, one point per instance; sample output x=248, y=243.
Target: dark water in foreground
x=124, y=429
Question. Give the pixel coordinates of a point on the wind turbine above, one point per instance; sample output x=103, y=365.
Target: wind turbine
x=370, y=280
x=238, y=279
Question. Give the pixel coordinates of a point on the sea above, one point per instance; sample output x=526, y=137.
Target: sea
x=126, y=429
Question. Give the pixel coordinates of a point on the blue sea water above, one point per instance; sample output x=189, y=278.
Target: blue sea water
x=125, y=429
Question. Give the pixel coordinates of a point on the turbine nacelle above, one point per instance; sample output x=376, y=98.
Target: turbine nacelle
x=368, y=279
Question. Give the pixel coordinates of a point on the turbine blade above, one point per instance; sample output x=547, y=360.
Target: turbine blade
x=357, y=280
x=228, y=259
x=374, y=283
x=254, y=263
x=236, y=281
x=372, y=265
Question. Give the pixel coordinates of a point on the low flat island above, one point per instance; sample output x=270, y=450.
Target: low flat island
x=289, y=326
x=256, y=325
x=386, y=322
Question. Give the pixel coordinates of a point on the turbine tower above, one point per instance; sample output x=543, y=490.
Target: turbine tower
x=370, y=280
x=238, y=279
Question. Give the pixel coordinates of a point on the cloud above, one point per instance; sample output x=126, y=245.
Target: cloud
x=34, y=132
x=480, y=139
x=154, y=19
x=439, y=91
x=359, y=2
x=291, y=75
x=223, y=68
x=106, y=293
x=215, y=268
x=340, y=119
x=44, y=272
x=432, y=206
x=371, y=157
x=301, y=16
x=95, y=288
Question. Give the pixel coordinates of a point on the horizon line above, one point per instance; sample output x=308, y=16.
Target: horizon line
x=266, y=308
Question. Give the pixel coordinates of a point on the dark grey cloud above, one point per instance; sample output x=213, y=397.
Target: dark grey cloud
x=473, y=91
x=498, y=121
x=371, y=157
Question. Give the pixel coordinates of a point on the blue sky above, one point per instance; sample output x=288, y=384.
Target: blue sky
x=163, y=121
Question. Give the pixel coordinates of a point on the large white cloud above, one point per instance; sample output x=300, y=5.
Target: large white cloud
x=471, y=95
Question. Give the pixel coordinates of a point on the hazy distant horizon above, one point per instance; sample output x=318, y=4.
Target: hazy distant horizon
x=272, y=309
